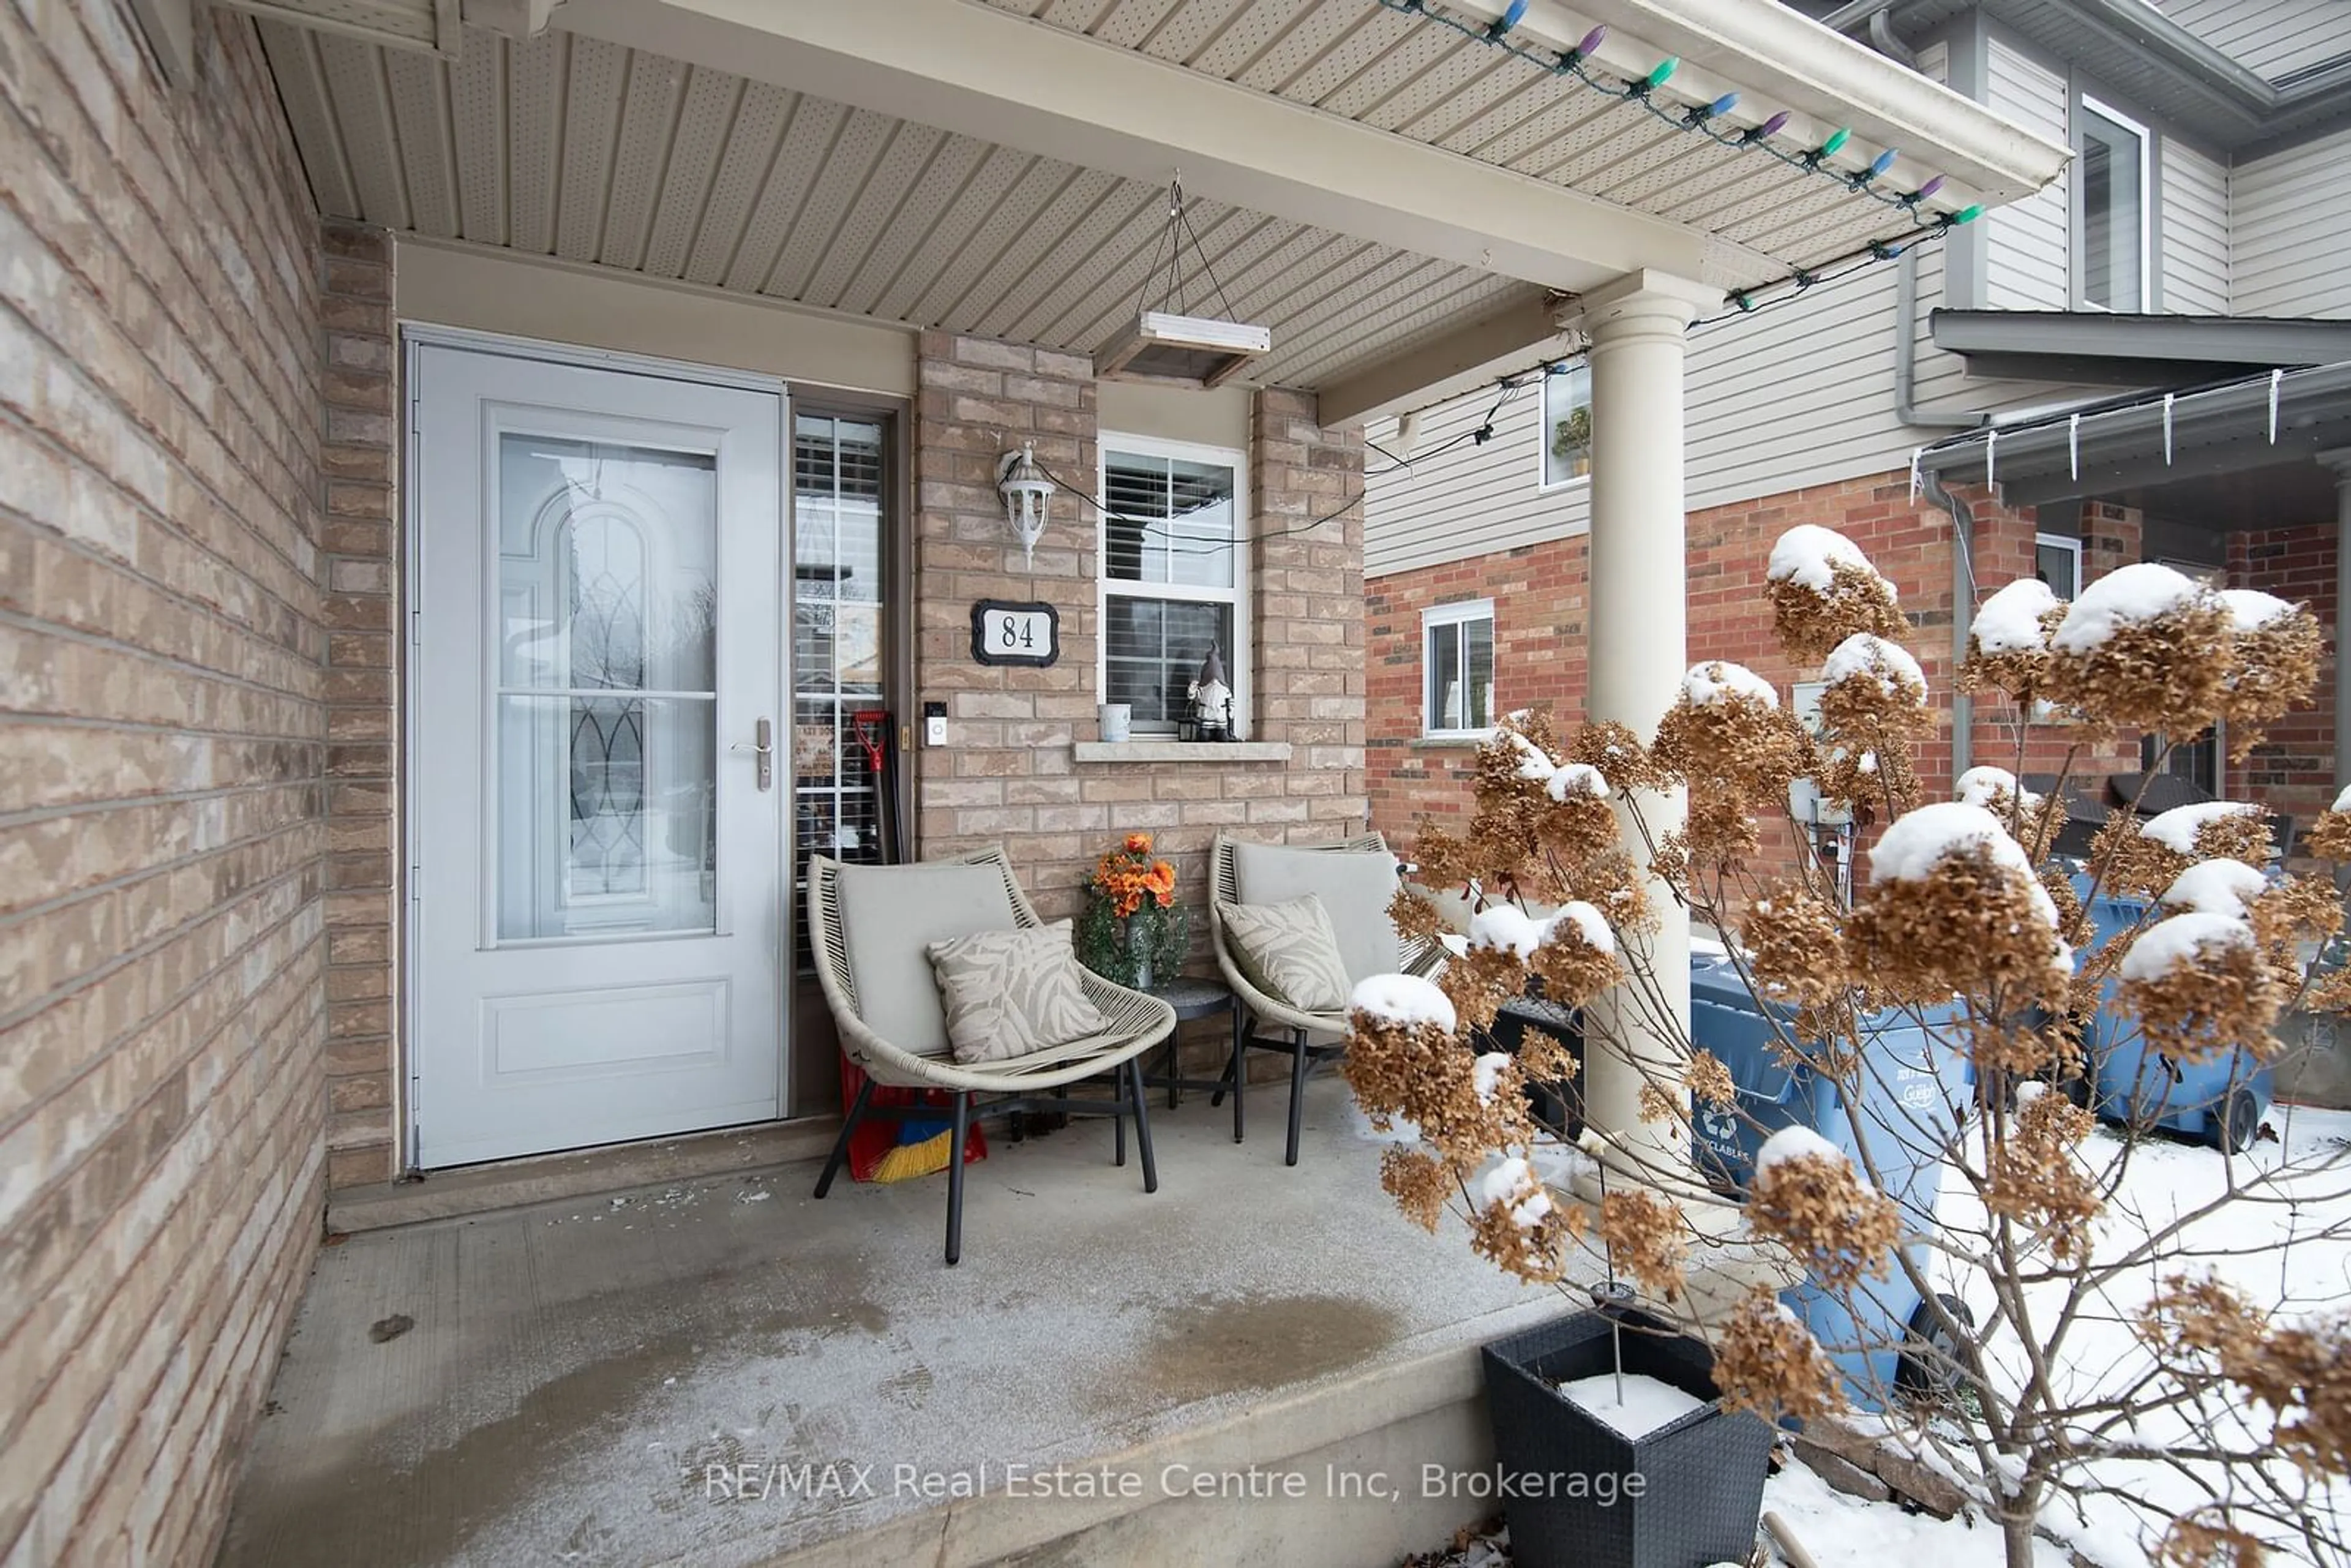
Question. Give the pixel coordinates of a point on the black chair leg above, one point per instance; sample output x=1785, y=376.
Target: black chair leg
x=1296, y=1094
x=955, y=1175
x=841, y=1145
x=1173, y=1066
x=1142, y=1125
x=1118, y=1116
x=1237, y=1074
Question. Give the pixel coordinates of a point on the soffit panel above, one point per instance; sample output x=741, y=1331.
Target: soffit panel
x=578, y=148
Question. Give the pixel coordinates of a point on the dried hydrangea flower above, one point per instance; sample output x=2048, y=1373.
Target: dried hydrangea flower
x=1795, y=946
x=2147, y=856
x=1515, y=1225
x=1808, y=1197
x=2200, y=985
x=1823, y=589
x=1577, y=955
x=1953, y=906
x=2273, y=664
x=1617, y=753
x=1766, y=1361
x=2193, y=1542
x=2329, y=838
x=2008, y=642
x=1644, y=1235
x=1418, y=1181
x=2034, y=1177
x=1873, y=689
x=2142, y=647
x=1727, y=729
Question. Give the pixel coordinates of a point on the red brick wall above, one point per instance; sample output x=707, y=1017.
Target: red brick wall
x=1540, y=593
x=2294, y=770
x=164, y=1004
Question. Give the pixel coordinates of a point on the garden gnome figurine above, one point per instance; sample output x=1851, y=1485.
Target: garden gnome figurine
x=1212, y=698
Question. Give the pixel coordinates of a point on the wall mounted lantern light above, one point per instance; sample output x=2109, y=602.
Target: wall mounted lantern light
x=1026, y=492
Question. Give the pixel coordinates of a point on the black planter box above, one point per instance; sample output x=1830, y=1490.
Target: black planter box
x=1700, y=1488
x=1558, y=1106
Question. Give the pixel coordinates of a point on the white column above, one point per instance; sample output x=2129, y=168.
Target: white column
x=1637, y=647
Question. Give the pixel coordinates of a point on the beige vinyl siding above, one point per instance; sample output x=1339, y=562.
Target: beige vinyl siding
x=2193, y=190
x=2026, y=244
x=2269, y=37
x=1460, y=498
x=2288, y=214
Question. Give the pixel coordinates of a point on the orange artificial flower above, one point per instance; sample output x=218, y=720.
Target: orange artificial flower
x=1138, y=843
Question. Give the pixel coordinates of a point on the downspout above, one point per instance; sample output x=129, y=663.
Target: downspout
x=1906, y=409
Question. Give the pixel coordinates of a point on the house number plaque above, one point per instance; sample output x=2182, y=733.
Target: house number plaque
x=1006, y=632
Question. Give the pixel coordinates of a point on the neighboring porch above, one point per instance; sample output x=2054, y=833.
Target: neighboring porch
x=575, y=1369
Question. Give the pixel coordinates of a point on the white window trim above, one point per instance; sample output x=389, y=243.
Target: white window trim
x=1543, y=481
x=1238, y=663
x=1459, y=612
x=2105, y=110
x=2071, y=546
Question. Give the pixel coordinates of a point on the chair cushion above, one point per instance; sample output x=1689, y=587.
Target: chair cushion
x=890, y=915
x=1009, y=993
x=1354, y=885
x=1289, y=952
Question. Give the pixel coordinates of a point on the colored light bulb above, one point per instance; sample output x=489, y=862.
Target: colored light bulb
x=1837, y=139
x=1509, y=19
x=1664, y=69
x=1592, y=41
x=1926, y=190
x=1967, y=214
x=1883, y=161
x=1723, y=105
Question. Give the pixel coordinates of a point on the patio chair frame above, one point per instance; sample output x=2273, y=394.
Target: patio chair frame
x=1255, y=1008
x=1137, y=1023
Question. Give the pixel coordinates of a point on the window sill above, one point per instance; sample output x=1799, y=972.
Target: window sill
x=1182, y=751
x=1449, y=742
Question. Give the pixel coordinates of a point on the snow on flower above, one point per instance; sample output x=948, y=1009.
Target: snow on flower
x=2216, y=887
x=2176, y=830
x=1796, y=1143
x=1920, y=841
x=2010, y=620
x=1587, y=922
x=1533, y=762
x=2175, y=944
x=2249, y=607
x=1864, y=654
x=1577, y=779
x=1512, y=1182
x=1486, y=1074
x=1720, y=681
x=2343, y=801
x=1403, y=1001
x=1982, y=786
x=2127, y=596
x=1506, y=928
x=1809, y=555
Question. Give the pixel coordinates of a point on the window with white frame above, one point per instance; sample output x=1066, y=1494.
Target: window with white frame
x=1174, y=575
x=1567, y=425
x=1457, y=643
x=2057, y=561
x=2112, y=172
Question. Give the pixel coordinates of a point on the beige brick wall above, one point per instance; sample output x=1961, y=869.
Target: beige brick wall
x=1008, y=774
x=162, y=1005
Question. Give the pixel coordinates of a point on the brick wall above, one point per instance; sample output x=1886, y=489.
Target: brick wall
x=2294, y=770
x=360, y=540
x=164, y=1005
x=1540, y=594
x=1008, y=773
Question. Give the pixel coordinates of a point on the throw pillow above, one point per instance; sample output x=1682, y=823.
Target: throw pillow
x=1290, y=950
x=1009, y=993
x=1354, y=885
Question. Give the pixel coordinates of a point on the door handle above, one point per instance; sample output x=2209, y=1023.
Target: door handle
x=763, y=745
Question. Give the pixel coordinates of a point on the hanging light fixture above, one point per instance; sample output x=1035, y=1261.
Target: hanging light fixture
x=1027, y=494
x=1168, y=343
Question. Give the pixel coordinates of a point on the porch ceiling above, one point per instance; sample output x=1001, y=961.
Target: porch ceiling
x=576, y=148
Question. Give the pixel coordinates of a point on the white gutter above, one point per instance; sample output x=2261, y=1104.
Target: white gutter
x=1777, y=58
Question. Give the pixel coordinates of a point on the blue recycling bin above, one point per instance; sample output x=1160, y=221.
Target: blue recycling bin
x=1905, y=1118
x=2222, y=1100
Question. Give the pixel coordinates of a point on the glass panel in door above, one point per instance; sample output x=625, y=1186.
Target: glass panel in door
x=605, y=696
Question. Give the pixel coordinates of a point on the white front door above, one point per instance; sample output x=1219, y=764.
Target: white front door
x=598, y=869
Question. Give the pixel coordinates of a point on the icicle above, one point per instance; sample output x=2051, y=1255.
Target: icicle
x=2167, y=430
x=2074, y=444
x=1913, y=471
x=1992, y=448
x=2275, y=377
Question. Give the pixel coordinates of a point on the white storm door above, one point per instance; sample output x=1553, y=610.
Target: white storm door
x=599, y=876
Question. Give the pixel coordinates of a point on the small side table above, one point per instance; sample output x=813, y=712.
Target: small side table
x=1196, y=997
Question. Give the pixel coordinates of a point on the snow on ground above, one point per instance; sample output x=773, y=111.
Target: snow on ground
x=2242, y=1243
x=1840, y=1530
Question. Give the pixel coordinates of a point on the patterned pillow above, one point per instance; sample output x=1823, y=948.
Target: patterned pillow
x=1290, y=951
x=1009, y=993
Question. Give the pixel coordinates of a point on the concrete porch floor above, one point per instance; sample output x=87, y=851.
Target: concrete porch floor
x=617, y=1379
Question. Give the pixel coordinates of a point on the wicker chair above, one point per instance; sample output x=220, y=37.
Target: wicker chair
x=1137, y=1023
x=1309, y=1039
